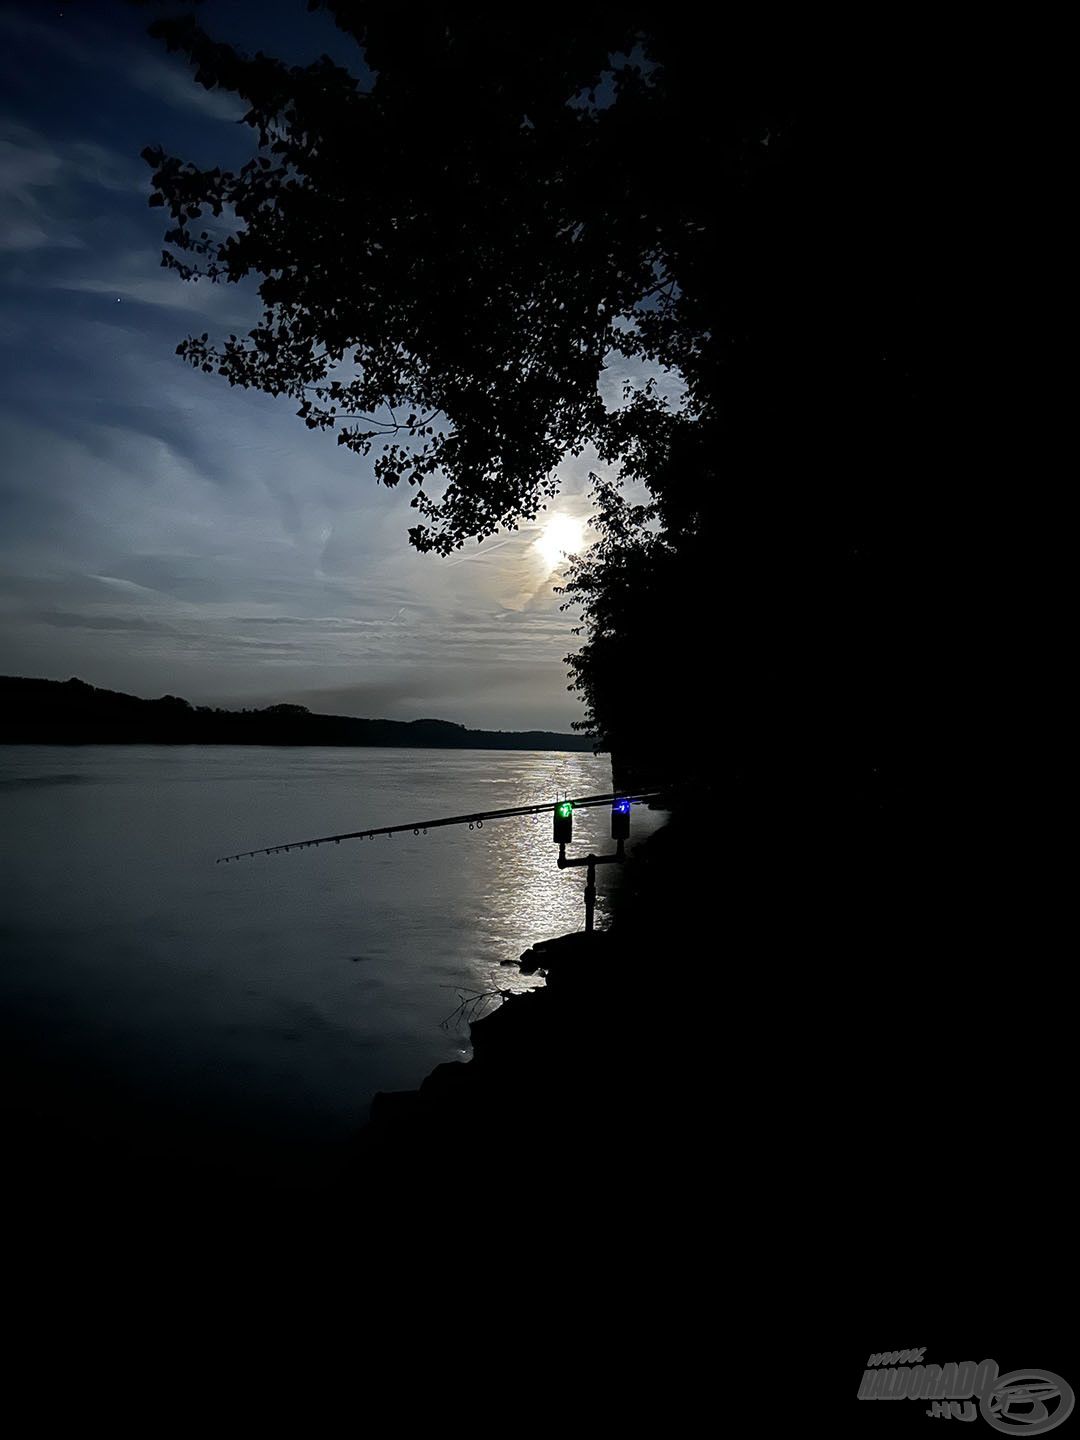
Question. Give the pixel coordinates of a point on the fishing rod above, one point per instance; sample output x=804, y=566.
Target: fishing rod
x=563, y=813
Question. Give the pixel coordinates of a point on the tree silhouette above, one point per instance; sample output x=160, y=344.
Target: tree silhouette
x=450, y=256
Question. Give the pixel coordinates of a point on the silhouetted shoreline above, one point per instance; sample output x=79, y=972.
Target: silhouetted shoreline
x=71, y=712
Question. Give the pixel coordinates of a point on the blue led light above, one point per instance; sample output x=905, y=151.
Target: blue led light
x=621, y=807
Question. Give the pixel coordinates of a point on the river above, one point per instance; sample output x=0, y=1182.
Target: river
x=253, y=1009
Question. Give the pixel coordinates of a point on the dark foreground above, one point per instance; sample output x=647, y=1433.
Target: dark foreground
x=774, y=1120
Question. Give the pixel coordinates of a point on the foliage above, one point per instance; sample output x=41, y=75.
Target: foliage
x=449, y=258
x=450, y=255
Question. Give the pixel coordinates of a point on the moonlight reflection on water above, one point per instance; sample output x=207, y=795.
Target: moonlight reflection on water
x=277, y=995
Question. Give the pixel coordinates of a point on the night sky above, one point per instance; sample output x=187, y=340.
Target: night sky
x=161, y=532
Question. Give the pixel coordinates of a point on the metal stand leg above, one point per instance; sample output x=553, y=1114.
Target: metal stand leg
x=590, y=877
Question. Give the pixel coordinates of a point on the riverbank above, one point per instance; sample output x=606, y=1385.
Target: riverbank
x=598, y=1078
x=708, y=1024
x=71, y=712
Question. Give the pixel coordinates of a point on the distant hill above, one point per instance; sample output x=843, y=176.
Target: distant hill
x=70, y=712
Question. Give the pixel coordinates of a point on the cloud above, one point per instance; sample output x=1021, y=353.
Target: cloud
x=508, y=696
x=23, y=232
x=130, y=61
x=94, y=164
x=115, y=521
x=175, y=84
x=621, y=371
x=160, y=531
x=27, y=160
x=27, y=165
x=135, y=277
x=114, y=624
x=36, y=178
x=60, y=39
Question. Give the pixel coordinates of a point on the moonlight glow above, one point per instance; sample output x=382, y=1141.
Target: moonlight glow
x=562, y=533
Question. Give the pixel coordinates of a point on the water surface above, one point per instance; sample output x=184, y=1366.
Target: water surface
x=260, y=1005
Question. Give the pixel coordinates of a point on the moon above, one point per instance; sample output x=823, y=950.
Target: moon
x=563, y=534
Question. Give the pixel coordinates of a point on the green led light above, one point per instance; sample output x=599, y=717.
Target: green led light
x=565, y=810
